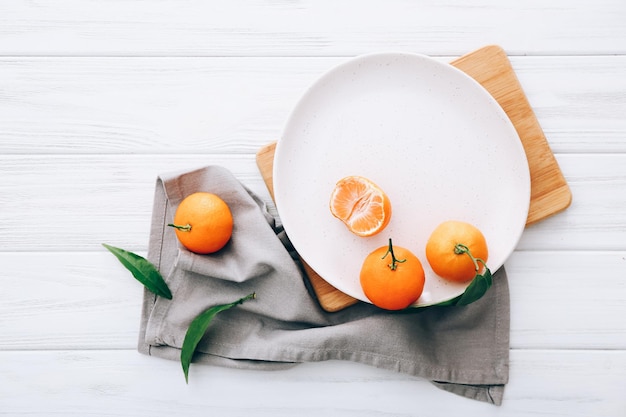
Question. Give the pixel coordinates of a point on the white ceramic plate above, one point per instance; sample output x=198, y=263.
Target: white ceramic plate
x=429, y=135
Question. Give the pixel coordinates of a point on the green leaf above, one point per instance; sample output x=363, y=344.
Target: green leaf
x=198, y=327
x=142, y=270
x=450, y=302
x=477, y=288
x=474, y=291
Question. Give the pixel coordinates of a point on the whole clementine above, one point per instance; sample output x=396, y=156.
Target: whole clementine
x=361, y=205
x=392, y=278
x=455, y=250
x=203, y=222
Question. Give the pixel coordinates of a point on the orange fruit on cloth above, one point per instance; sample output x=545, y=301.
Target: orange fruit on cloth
x=203, y=222
x=457, y=251
x=392, y=277
x=361, y=205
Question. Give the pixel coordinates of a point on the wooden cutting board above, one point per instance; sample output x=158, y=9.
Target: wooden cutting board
x=549, y=193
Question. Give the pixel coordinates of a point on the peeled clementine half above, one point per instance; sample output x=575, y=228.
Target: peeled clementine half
x=392, y=277
x=203, y=222
x=361, y=205
x=456, y=251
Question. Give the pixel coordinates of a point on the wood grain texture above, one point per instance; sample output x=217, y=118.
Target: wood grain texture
x=308, y=28
x=97, y=97
x=550, y=193
x=124, y=383
x=87, y=300
x=102, y=105
x=113, y=194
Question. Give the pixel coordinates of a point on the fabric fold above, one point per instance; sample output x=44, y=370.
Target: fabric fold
x=463, y=350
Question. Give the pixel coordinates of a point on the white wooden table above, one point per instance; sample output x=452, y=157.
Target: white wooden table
x=98, y=97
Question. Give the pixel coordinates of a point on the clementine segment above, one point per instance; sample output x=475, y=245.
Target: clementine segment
x=455, y=251
x=203, y=222
x=361, y=205
x=392, y=277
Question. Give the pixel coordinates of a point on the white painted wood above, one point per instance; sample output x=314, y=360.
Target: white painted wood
x=580, y=101
x=87, y=300
x=594, y=219
x=567, y=299
x=68, y=300
x=236, y=105
x=114, y=193
x=305, y=28
x=125, y=383
x=99, y=97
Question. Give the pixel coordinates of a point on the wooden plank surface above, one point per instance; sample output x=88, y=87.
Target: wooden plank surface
x=89, y=301
x=213, y=106
x=97, y=97
x=550, y=192
x=123, y=383
x=115, y=194
x=314, y=28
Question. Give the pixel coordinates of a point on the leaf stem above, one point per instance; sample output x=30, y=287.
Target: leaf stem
x=394, y=261
x=246, y=298
x=185, y=228
x=460, y=249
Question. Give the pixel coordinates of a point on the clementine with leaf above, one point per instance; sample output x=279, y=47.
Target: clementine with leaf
x=457, y=251
x=392, y=278
x=361, y=205
x=203, y=222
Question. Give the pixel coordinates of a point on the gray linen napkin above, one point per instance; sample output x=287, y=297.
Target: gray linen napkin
x=464, y=350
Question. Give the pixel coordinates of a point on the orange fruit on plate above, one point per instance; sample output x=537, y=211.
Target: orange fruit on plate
x=457, y=251
x=361, y=205
x=392, y=277
x=203, y=222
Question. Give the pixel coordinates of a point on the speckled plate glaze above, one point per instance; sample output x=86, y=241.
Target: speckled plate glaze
x=432, y=137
